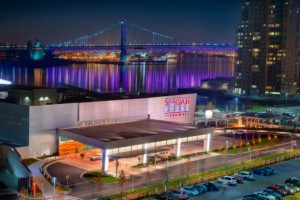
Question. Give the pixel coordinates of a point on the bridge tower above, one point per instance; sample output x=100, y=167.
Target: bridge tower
x=123, y=41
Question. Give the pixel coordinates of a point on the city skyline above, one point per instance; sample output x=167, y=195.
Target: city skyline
x=53, y=21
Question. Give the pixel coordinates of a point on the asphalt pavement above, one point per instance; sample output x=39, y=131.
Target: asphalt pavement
x=62, y=171
x=285, y=170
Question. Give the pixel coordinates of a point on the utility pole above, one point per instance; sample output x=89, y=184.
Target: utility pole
x=226, y=161
x=167, y=180
x=54, y=187
x=132, y=181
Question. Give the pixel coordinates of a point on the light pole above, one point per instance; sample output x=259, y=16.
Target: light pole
x=67, y=177
x=226, y=163
x=249, y=149
x=291, y=141
x=54, y=186
x=167, y=180
x=132, y=180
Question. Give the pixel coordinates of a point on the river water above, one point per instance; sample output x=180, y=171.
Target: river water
x=146, y=77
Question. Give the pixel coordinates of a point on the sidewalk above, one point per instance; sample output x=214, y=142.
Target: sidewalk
x=161, y=165
x=43, y=184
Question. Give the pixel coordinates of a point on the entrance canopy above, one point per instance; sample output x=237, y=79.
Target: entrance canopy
x=131, y=133
x=138, y=152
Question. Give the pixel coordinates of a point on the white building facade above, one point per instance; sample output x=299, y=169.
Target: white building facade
x=34, y=128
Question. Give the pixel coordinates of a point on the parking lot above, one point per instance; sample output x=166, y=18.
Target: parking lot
x=285, y=170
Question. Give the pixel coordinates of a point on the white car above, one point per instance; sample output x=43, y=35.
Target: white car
x=179, y=194
x=96, y=157
x=265, y=195
x=190, y=190
x=246, y=175
x=227, y=180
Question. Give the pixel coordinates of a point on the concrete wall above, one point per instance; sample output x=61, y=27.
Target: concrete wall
x=112, y=109
x=14, y=124
x=44, y=120
x=134, y=107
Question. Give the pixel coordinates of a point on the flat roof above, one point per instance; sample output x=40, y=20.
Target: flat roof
x=132, y=133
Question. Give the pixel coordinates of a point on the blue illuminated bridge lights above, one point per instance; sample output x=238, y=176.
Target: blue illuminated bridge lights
x=143, y=38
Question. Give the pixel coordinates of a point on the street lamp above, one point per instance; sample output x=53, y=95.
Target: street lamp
x=249, y=149
x=167, y=180
x=54, y=186
x=132, y=180
x=226, y=162
x=291, y=141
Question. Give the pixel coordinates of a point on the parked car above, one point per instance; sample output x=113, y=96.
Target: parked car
x=265, y=195
x=211, y=185
x=261, y=171
x=281, y=191
x=164, y=195
x=96, y=157
x=273, y=193
x=287, y=188
x=227, y=180
x=254, y=197
x=239, y=179
x=201, y=188
x=178, y=194
x=246, y=175
x=190, y=190
x=270, y=170
x=287, y=115
x=295, y=187
x=293, y=180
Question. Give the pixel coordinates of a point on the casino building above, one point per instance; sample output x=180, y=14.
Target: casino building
x=37, y=125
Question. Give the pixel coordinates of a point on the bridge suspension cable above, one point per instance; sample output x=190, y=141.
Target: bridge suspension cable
x=135, y=35
x=84, y=40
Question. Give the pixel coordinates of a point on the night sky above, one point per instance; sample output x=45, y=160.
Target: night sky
x=54, y=21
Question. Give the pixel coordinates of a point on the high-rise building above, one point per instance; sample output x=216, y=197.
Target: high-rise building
x=267, y=41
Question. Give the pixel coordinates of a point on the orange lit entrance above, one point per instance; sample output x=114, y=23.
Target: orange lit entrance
x=67, y=146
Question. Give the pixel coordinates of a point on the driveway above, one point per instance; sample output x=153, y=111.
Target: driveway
x=60, y=170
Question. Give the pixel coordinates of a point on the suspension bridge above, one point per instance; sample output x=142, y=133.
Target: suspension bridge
x=125, y=36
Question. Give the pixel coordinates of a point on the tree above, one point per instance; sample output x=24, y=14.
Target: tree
x=23, y=194
x=275, y=135
x=210, y=106
x=188, y=166
x=200, y=108
x=259, y=138
x=58, y=191
x=269, y=136
x=233, y=143
x=122, y=179
x=253, y=139
x=97, y=185
x=241, y=141
x=148, y=176
x=220, y=147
